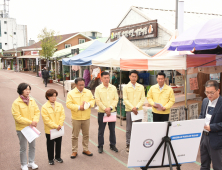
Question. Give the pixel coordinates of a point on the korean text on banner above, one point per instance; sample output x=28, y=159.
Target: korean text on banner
x=193, y=83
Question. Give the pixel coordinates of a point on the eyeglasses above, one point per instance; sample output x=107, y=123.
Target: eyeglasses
x=210, y=93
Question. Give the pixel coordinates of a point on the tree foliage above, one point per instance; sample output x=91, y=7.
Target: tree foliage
x=48, y=40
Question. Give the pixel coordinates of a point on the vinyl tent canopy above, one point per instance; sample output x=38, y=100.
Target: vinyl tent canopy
x=204, y=36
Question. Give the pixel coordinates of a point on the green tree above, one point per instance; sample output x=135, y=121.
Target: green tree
x=49, y=41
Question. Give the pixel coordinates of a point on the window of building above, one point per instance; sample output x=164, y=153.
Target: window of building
x=14, y=33
x=93, y=34
x=5, y=32
x=6, y=44
x=82, y=41
x=67, y=45
x=5, y=22
x=0, y=45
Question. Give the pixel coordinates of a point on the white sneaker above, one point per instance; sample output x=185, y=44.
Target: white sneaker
x=24, y=167
x=33, y=165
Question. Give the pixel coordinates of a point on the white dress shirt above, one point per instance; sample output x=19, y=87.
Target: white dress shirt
x=161, y=87
x=211, y=105
x=134, y=86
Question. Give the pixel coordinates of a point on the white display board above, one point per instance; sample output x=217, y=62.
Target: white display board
x=185, y=139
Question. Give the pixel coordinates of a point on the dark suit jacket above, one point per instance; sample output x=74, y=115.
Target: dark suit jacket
x=45, y=74
x=215, y=133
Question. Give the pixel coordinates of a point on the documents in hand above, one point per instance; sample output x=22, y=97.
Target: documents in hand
x=139, y=116
x=54, y=133
x=111, y=118
x=159, y=106
x=30, y=133
x=86, y=106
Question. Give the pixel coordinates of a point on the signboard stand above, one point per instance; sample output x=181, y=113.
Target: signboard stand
x=167, y=145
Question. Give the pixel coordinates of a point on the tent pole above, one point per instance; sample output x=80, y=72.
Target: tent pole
x=63, y=80
x=120, y=93
x=185, y=84
x=111, y=73
x=70, y=74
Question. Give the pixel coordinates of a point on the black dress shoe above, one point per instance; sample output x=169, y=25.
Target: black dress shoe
x=113, y=147
x=51, y=162
x=100, y=149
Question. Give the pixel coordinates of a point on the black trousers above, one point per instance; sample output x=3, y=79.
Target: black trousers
x=102, y=126
x=209, y=155
x=160, y=117
x=50, y=147
x=46, y=81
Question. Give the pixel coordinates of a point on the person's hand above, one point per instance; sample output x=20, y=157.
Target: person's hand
x=207, y=127
x=108, y=114
x=155, y=106
x=59, y=127
x=82, y=107
x=163, y=108
x=108, y=111
x=33, y=124
x=134, y=110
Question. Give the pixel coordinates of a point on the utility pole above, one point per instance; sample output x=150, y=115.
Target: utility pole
x=176, y=16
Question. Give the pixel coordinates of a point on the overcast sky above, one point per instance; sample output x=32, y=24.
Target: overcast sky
x=69, y=16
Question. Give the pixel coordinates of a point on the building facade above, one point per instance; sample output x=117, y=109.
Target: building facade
x=165, y=19
x=12, y=35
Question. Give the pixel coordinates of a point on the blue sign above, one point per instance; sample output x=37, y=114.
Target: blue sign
x=186, y=136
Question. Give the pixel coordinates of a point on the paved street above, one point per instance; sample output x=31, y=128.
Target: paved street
x=9, y=144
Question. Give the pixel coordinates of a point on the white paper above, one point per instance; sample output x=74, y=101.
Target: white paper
x=29, y=134
x=185, y=139
x=207, y=121
x=113, y=113
x=159, y=106
x=54, y=133
x=139, y=116
x=86, y=105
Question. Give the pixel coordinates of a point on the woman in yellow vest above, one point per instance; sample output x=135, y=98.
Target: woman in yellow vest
x=53, y=116
x=26, y=113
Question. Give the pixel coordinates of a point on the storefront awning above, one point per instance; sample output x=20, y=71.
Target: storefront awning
x=29, y=56
x=8, y=58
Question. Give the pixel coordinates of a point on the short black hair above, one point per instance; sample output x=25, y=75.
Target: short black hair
x=22, y=87
x=212, y=83
x=104, y=73
x=79, y=79
x=50, y=92
x=161, y=74
x=134, y=71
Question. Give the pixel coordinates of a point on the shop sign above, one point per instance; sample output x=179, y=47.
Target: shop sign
x=142, y=30
x=34, y=52
x=7, y=55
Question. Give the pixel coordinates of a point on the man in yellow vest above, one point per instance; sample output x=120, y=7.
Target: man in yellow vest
x=133, y=98
x=161, y=97
x=106, y=99
x=80, y=101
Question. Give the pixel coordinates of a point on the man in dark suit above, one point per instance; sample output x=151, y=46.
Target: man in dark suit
x=211, y=142
x=45, y=76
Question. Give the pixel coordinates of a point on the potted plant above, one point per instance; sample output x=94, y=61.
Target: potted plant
x=59, y=77
x=67, y=76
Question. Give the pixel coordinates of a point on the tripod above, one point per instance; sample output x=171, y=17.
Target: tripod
x=167, y=145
